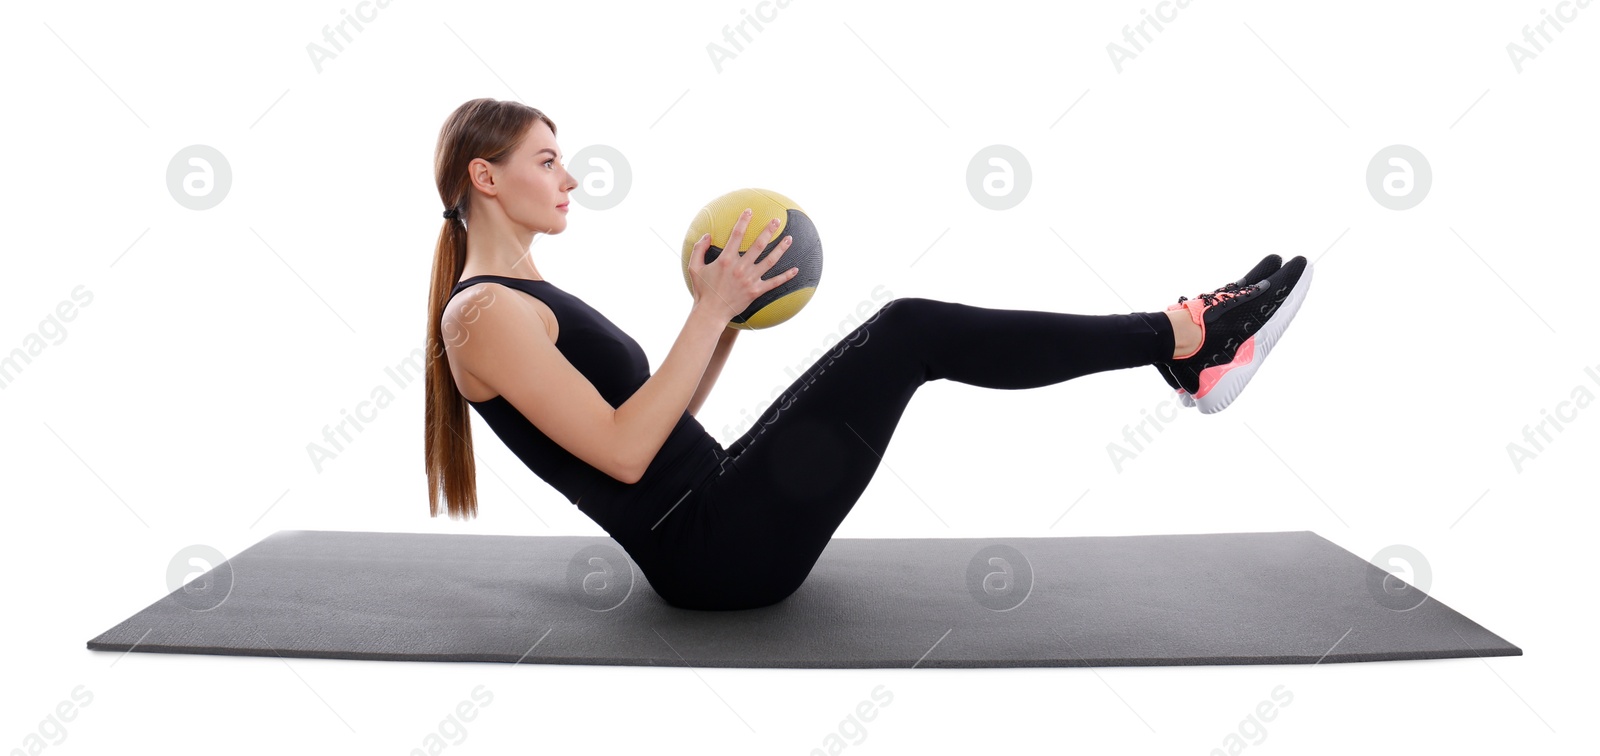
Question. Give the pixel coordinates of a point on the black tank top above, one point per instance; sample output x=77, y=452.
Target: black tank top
x=617, y=367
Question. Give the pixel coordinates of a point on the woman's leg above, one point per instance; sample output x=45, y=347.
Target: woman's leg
x=791, y=479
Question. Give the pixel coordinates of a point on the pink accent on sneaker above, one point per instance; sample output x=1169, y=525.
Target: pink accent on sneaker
x=1210, y=376
x=1198, y=305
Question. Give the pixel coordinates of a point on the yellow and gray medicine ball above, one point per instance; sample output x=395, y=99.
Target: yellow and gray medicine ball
x=805, y=252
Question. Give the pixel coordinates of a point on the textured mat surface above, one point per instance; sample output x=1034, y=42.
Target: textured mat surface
x=1225, y=598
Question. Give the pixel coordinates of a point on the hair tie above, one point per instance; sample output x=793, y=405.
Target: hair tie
x=452, y=213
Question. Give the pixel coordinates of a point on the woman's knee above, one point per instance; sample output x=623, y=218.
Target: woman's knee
x=905, y=306
x=903, y=312
x=908, y=319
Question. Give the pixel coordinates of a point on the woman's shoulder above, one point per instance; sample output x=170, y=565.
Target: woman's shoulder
x=507, y=306
x=484, y=320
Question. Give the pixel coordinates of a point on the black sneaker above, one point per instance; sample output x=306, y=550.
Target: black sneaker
x=1268, y=265
x=1239, y=325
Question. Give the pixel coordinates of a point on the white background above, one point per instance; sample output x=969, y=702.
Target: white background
x=176, y=407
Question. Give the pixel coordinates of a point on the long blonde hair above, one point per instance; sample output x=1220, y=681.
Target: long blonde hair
x=489, y=129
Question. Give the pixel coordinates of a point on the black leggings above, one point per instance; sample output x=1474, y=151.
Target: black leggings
x=748, y=534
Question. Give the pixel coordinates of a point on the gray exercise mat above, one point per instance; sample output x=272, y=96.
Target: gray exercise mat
x=1225, y=598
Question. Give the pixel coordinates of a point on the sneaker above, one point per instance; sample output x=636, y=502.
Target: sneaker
x=1266, y=267
x=1239, y=326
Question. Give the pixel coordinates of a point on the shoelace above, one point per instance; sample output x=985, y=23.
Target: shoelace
x=1222, y=294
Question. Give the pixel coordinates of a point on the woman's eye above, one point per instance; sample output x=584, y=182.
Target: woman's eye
x=547, y=162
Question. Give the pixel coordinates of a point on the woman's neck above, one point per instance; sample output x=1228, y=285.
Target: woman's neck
x=470, y=272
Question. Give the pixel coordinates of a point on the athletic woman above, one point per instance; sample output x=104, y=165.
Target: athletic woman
x=738, y=527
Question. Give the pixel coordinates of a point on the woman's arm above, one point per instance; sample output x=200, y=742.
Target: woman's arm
x=713, y=369
x=647, y=418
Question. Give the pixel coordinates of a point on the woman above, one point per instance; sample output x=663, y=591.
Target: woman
x=712, y=528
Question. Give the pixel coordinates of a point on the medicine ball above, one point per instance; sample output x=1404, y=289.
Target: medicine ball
x=805, y=252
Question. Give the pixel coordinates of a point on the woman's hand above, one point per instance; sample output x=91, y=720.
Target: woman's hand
x=728, y=284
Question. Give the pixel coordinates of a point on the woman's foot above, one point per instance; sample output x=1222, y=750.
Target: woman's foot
x=1239, y=325
x=1186, y=335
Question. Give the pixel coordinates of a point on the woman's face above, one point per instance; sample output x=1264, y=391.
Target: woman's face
x=533, y=184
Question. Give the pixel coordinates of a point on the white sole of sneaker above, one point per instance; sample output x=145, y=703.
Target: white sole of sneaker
x=1233, y=381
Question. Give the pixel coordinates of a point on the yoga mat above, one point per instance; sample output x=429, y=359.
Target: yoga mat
x=1223, y=598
